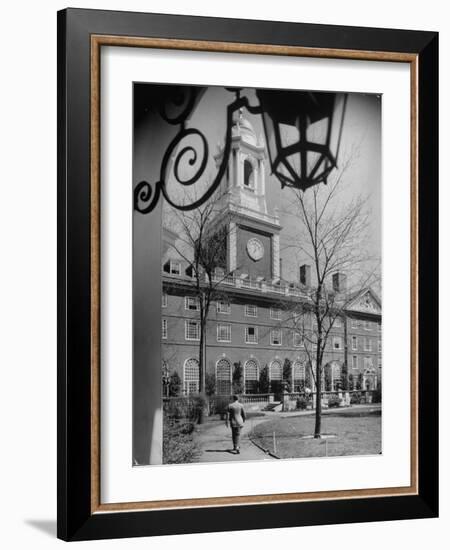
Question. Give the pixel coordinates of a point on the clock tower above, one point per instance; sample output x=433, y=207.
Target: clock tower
x=253, y=244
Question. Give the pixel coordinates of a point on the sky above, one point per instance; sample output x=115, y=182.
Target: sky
x=361, y=133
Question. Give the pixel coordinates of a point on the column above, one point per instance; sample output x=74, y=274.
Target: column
x=232, y=247
x=275, y=256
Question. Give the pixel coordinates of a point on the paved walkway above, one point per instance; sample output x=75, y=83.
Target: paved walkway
x=214, y=440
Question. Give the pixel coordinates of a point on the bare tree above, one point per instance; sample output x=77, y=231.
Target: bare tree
x=202, y=244
x=333, y=234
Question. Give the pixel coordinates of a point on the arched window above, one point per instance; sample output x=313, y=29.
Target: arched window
x=251, y=376
x=223, y=377
x=275, y=375
x=298, y=376
x=191, y=376
x=249, y=176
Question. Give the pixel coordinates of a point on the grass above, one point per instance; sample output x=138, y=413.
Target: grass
x=357, y=433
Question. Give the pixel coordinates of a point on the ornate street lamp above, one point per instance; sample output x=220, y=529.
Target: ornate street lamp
x=303, y=132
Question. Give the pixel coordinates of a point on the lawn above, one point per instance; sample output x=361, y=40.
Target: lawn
x=355, y=434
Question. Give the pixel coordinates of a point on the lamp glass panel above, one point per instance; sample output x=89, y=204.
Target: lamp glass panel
x=336, y=124
x=317, y=131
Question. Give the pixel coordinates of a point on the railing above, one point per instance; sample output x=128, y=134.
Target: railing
x=256, y=398
x=255, y=284
x=340, y=398
x=219, y=403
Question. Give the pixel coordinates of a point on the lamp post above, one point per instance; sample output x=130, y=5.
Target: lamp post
x=303, y=132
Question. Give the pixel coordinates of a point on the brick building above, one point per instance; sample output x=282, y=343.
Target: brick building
x=252, y=324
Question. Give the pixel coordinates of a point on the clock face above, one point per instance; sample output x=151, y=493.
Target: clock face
x=255, y=249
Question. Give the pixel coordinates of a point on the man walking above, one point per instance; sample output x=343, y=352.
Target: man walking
x=236, y=417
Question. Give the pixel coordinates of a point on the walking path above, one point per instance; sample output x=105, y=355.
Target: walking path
x=214, y=438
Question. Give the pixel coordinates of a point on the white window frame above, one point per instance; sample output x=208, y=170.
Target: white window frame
x=367, y=325
x=220, y=304
x=164, y=329
x=172, y=271
x=354, y=343
x=367, y=344
x=230, y=379
x=195, y=300
x=338, y=322
x=275, y=313
x=302, y=340
x=164, y=299
x=228, y=328
x=280, y=379
x=335, y=340
x=354, y=323
x=187, y=322
x=246, y=310
x=247, y=341
x=354, y=362
x=187, y=383
x=280, y=343
x=302, y=366
x=258, y=371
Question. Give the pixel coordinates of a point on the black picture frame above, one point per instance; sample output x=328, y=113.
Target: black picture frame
x=77, y=518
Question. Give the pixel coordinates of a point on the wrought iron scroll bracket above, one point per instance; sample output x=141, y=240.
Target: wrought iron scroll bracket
x=146, y=195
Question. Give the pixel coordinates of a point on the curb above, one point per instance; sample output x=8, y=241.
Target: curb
x=270, y=453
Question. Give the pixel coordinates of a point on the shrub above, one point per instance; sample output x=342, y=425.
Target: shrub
x=176, y=408
x=287, y=375
x=350, y=382
x=359, y=381
x=327, y=381
x=199, y=406
x=376, y=396
x=210, y=384
x=333, y=401
x=238, y=379
x=174, y=384
x=189, y=408
x=355, y=399
x=345, y=379
x=276, y=387
x=264, y=381
x=178, y=443
x=302, y=403
x=219, y=405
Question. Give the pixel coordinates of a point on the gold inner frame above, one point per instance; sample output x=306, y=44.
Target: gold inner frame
x=97, y=41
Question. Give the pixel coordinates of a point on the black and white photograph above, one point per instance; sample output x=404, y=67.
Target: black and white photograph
x=224, y=272
x=269, y=203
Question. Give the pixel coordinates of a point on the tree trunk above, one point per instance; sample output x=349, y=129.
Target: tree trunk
x=201, y=359
x=201, y=364
x=318, y=424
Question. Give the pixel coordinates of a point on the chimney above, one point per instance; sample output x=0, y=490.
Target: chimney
x=305, y=275
x=339, y=282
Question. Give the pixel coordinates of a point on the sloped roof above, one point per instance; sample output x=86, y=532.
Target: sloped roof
x=365, y=300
